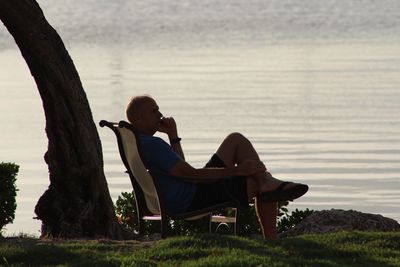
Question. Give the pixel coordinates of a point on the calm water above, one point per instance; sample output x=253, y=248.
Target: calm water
x=314, y=85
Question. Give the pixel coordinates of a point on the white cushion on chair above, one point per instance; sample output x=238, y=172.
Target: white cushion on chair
x=139, y=170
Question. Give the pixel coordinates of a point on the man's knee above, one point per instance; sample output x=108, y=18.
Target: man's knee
x=235, y=137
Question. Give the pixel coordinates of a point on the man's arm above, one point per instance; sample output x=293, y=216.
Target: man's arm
x=175, y=142
x=246, y=168
x=185, y=170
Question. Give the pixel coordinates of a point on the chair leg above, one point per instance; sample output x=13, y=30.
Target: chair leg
x=235, y=224
x=210, y=224
x=164, y=226
x=141, y=226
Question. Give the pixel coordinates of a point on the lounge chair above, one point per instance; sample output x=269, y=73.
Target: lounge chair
x=149, y=202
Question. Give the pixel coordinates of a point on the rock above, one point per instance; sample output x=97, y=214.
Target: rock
x=335, y=220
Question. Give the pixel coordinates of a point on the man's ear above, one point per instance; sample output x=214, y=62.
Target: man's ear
x=137, y=117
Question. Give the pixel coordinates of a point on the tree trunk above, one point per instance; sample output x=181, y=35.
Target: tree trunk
x=77, y=203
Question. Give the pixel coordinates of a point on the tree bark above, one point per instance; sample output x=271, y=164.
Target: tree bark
x=77, y=203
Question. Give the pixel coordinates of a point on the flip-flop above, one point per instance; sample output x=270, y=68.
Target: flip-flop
x=282, y=194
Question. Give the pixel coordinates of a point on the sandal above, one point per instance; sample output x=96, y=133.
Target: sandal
x=282, y=194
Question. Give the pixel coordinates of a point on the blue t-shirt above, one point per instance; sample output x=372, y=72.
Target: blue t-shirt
x=160, y=158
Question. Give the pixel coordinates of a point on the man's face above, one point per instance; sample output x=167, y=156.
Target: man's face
x=149, y=117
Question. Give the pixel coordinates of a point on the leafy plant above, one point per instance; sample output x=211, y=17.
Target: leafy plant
x=282, y=208
x=126, y=210
x=291, y=220
x=127, y=214
x=8, y=192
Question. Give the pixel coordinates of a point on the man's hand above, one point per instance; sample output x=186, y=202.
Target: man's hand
x=250, y=167
x=168, y=126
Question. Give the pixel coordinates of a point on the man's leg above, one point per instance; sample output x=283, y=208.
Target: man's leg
x=235, y=149
x=266, y=212
x=267, y=215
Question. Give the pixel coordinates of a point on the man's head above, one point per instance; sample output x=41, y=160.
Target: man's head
x=143, y=112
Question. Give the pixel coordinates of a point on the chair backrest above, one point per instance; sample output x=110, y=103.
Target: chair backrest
x=138, y=169
x=142, y=181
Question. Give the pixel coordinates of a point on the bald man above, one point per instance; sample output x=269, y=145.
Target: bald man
x=234, y=172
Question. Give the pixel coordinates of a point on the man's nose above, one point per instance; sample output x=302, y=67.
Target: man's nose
x=160, y=114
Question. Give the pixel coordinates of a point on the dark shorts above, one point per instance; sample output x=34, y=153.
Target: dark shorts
x=232, y=189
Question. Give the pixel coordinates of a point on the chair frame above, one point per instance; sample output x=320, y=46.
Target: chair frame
x=144, y=214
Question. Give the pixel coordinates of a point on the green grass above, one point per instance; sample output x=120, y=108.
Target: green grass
x=338, y=249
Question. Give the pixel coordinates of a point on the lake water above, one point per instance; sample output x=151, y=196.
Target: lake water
x=314, y=85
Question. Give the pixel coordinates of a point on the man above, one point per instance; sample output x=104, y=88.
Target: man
x=234, y=173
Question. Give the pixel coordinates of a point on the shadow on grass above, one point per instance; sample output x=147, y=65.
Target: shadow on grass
x=34, y=252
x=342, y=249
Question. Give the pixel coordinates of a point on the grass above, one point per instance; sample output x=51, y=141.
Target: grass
x=337, y=249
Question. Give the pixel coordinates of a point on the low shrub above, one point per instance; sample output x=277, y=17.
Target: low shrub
x=8, y=192
x=126, y=211
x=288, y=221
